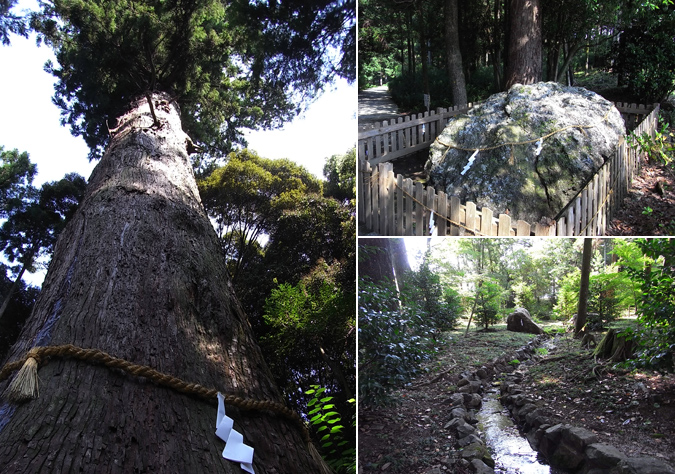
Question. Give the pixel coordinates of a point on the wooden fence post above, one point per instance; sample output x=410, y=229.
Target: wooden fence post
x=419, y=209
x=442, y=212
x=409, y=203
x=454, y=215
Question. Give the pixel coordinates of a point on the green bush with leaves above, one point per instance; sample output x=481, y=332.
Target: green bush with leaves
x=649, y=57
x=655, y=335
x=338, y=452
x=659, y=148
x=568, y=296
x=610, y=293
x=393, y=341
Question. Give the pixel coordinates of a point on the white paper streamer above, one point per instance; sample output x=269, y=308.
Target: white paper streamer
x=540, y=145
x=432, y=228
x=468, y=165
x=235, y=449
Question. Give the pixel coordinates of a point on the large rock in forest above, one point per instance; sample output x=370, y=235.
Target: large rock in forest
x=538, y=146
x=521, y=321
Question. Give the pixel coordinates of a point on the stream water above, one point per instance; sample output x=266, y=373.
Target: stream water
x=510, y=450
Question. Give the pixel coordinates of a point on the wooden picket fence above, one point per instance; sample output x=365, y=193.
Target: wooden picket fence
x=393, y=205
x=391, y=139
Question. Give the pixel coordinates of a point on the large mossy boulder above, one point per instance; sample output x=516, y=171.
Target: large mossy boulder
x=521, y=321
x=538, y=147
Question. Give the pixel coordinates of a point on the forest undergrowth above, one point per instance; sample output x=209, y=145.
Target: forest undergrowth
x=632, y=410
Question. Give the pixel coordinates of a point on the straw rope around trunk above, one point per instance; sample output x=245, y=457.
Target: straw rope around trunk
x=24, y=386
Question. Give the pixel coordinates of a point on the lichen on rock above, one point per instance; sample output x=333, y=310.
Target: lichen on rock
x=538, y=146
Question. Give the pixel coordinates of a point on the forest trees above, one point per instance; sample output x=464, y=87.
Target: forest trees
x=32, y=220
x=289, y=244
x=137, y=271
x=519, y=41
x=399, y=323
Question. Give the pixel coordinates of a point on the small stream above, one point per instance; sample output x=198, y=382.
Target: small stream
x=510, y=449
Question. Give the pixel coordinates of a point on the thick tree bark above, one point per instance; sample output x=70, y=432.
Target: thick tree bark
x=377, y=262
x=454, y=54
x=525, y=43
x=497, y=30
x=138, y=273
x=583, y=287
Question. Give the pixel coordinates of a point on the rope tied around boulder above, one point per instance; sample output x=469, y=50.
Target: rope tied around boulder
x=24, y=386
x=524, y=142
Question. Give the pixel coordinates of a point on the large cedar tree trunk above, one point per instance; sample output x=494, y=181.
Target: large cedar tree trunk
x=454, y=54
x=524, y=64
x=138, y=273
x=399, y=257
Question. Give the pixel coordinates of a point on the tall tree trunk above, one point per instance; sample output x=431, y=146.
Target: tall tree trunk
x=138, y=273
x=424, y=47
x=399, y=257
x=454, y=54
x=525, y=43
x=376, y=260
x=570, y=53
x=583, y=288
x=411, y=44
x=498, y=29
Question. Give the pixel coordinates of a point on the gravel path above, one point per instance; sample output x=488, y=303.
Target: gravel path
x=375, y=105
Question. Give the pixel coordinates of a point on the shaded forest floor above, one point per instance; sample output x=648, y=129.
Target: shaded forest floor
x=653, y=189
x=633, y=411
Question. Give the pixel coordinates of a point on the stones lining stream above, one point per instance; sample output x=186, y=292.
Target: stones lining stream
x=489, y=441
x=510, y=450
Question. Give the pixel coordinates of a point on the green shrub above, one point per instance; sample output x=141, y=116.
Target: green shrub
x=392, y=342
x=655, y=335
x=441, y=306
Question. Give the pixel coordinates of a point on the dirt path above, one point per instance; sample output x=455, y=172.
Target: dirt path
x=375, y=105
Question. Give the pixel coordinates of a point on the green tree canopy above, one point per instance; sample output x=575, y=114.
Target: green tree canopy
x=16, y=179
x=33, y=218
x=340, y=174
x=247, y=195
x=34, y=224
x=311, y=333
x=10, y=22
x=229, y=65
